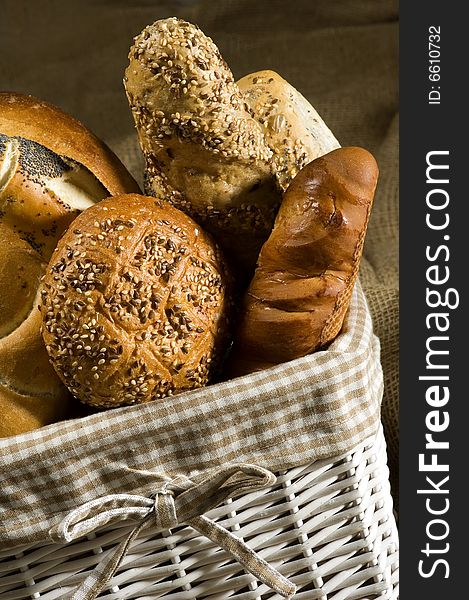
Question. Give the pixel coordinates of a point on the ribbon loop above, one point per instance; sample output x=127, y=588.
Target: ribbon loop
x=99, y=512
x=175, y=501
x=165, y=510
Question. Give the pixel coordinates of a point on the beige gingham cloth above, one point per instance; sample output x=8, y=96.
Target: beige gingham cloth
x=314, y=407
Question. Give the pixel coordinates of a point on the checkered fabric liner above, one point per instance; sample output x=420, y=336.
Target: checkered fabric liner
x=312, y=408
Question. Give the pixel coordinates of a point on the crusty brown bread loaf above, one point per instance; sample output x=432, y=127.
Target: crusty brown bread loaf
x=217, y=152
x=34, y=119
x=306, y=270
x=31, y=395
x=135, y=303
x=51, y=168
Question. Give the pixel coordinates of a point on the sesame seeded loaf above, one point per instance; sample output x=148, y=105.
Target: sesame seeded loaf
x=135, y=303
x=208, y=144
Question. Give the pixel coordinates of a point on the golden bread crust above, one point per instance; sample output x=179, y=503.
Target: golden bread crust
x=298, y=297
x=135, y=303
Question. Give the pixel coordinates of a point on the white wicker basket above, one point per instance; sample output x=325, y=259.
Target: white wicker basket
x=328, y=526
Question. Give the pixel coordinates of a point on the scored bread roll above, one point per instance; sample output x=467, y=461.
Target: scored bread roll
x=135, y=303
x=31, y=395
x=203, y=149
x=292, y=128
x=307, y=268
x=51, y=168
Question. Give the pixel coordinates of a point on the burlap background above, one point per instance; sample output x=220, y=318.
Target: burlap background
x=341, y=54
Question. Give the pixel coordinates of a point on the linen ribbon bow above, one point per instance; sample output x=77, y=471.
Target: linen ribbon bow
x=177, y=500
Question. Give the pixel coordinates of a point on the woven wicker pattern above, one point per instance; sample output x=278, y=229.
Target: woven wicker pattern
x=327, y=526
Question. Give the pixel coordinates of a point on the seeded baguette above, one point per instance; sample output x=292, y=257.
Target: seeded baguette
x=203, y=149
x=307, y=268
x=221, y=151
x=135, y=303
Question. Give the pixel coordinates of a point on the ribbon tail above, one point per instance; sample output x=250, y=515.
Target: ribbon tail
x=239, y=550
x=102, y=573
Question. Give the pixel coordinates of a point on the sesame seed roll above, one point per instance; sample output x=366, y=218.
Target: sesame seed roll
x=135, y=303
